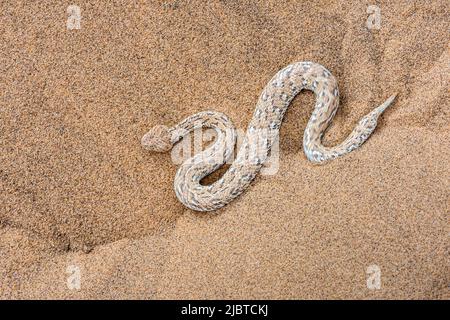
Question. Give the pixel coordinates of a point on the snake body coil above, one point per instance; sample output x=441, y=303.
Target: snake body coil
x=261, y=133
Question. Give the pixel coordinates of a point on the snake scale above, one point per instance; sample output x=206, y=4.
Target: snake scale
x=262, y=131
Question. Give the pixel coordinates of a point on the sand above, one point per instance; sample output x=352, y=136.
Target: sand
x=80, y=197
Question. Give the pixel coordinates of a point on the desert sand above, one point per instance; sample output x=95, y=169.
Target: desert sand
x=78, y=192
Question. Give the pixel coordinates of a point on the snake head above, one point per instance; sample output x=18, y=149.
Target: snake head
x=158, y=139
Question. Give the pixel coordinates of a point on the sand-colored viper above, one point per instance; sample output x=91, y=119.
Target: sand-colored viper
x=262, y=130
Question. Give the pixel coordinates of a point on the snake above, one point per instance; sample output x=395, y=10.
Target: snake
x=261, y=133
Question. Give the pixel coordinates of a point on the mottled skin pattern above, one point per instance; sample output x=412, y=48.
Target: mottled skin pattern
x=262, y=130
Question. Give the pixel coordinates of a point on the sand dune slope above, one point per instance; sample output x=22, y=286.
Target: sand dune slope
x=79, y=196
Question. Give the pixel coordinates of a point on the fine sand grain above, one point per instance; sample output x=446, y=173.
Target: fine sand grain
x=77, y=191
